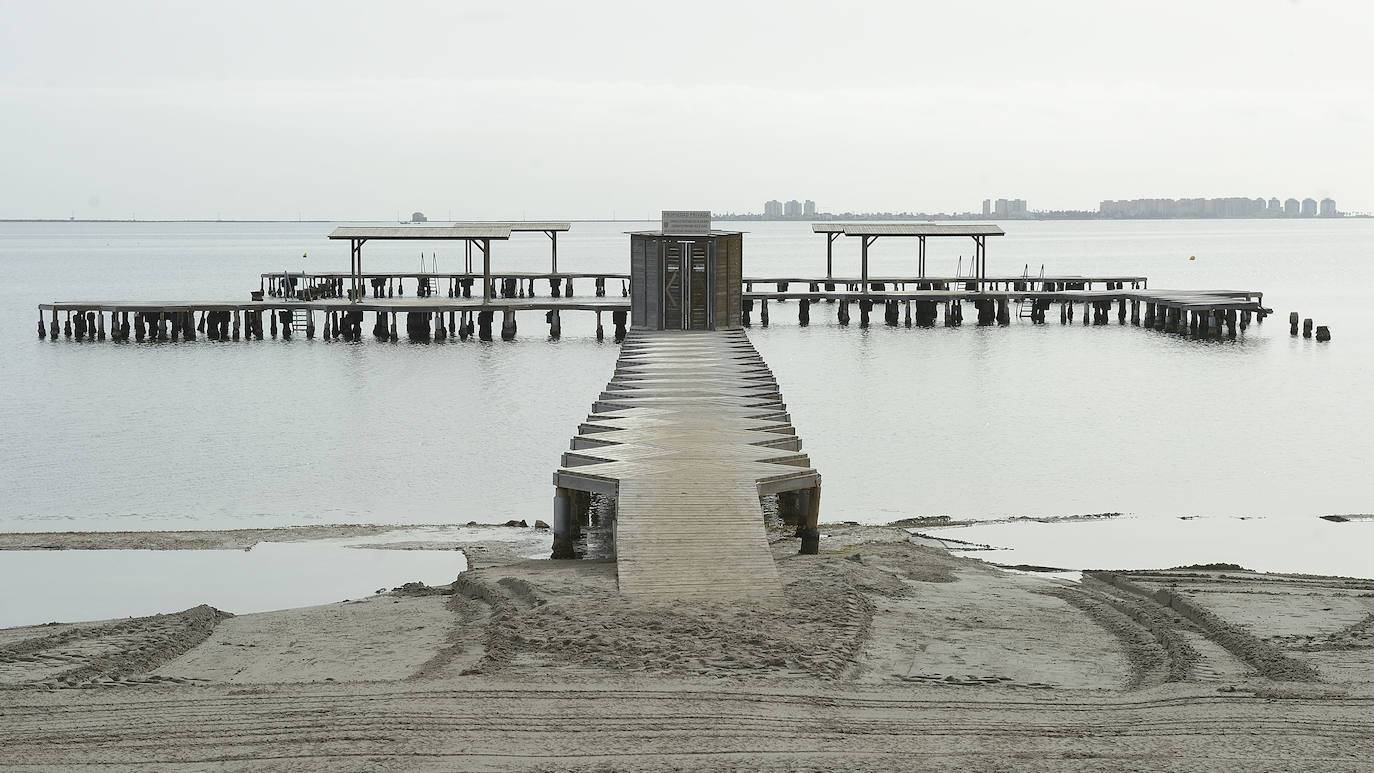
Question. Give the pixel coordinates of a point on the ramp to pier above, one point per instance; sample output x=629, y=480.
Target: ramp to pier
x=688, y=435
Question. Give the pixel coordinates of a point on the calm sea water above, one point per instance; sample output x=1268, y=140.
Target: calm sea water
x=977, y=423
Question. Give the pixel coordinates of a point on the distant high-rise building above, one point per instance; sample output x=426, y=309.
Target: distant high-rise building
x=792, y=208
x=1309, y=207
x=1275, y=208
x=1291, y=207
x=1328, y=208
x=1005, y=208
x=772, y=208
x=809, y=208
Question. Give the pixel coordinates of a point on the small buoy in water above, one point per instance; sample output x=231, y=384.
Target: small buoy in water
x=1192, y=257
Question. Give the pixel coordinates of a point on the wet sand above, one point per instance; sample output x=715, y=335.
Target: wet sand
x=885, y=654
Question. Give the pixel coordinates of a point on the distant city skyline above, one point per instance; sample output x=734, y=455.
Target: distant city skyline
x=1017, y=209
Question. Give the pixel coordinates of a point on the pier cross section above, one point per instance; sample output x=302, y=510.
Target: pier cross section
x=687, y=437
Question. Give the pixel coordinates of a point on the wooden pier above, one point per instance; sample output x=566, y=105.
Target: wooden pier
x=687, y=437
x=391, y=284
x=419, y=319
x=440, y=305
x=1201, y=313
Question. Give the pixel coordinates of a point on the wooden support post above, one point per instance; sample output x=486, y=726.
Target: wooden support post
x=555, y=324
x=237, y=322
x=808, y=528
x=804, y=312
x=1292, y=323
x=507, y=324
x=601, y=331
x=563, y=546
x=763, y=312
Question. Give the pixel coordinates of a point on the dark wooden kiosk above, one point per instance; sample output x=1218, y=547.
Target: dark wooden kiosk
x=686, y=276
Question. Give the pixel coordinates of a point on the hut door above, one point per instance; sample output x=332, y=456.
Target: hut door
x=672, y=286
x=699, y=296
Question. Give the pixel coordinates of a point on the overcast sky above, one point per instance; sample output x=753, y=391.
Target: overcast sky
x=500, y=110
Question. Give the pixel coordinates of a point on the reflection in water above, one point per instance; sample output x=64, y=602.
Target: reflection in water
x=73, y=585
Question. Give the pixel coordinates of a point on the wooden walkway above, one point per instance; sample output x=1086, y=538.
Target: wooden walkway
x=688, y=435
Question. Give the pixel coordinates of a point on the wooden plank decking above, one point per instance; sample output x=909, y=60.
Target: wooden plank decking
x=687, y=436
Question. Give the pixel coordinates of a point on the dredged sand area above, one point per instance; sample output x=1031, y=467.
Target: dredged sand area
x=886, y=653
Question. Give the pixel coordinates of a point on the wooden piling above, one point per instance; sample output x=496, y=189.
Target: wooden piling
x=562, y=524
x=809, y=530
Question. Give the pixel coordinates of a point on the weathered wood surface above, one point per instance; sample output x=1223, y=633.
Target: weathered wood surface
x=437, y=275
x=1240, y=300
x=687, y=436
x=370, y=305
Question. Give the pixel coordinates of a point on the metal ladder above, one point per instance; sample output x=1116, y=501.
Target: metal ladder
x=300, y=320
x=1025, y=307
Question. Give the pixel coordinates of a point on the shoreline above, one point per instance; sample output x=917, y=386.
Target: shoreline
x=883, y=648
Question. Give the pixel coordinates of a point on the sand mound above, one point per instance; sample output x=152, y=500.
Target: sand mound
x=103, y=653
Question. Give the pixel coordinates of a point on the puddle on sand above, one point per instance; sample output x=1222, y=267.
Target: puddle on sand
x=72, y=585
x=1304, y=546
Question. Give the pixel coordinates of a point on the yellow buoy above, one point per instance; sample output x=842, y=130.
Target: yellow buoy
x=1192, y=257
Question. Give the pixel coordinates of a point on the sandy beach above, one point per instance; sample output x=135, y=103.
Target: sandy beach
x=886, y=654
